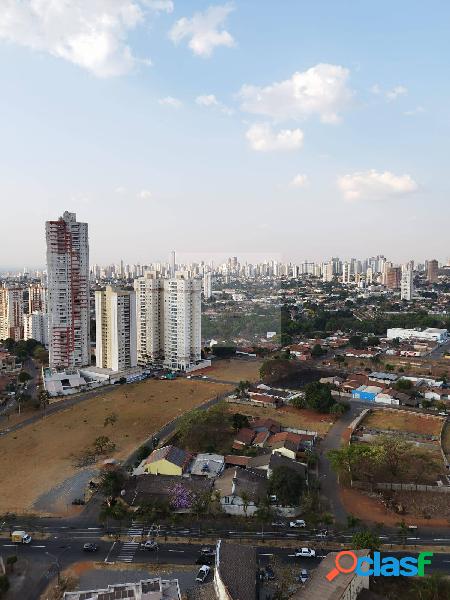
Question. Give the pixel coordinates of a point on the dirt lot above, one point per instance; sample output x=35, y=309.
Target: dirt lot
x=288, y=416
x=403, y=421
x=39, y=457
x=234, y=370
x=370, y=509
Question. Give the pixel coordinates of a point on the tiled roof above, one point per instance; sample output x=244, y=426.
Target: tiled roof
x=237, y=569
x=172, y=454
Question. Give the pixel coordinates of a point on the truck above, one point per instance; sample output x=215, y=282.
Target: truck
x=20, y=537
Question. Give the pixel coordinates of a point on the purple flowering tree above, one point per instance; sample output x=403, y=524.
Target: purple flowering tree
x=180, y=497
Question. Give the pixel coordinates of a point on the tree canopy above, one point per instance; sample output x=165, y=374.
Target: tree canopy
x=287, y=485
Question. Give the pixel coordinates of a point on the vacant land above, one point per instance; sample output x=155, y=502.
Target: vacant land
x=289, y=417
x=397, y=420
x=234, y=370
x=41, y=456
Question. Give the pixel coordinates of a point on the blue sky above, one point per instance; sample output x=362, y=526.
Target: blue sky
x=296, y=128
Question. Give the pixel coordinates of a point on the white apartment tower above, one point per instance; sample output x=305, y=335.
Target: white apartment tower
x=346, y=270
x=207, y=285
x=149, y=317
x=115, y=314
x=168, y=320
x=406, y=282
x=11, y=313
x=68, y=292
x=35, y=327
x=37, y=298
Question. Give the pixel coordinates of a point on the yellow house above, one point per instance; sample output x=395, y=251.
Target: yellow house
x=168, y=460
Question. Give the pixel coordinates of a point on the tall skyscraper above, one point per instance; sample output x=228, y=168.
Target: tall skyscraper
x=168, y=320
x=406, y=283
x=172, y=263
x=37, y=298
x=68, y=292
x=11, y=313
x=346, y=270
x=115, y=322
x=182, y=321
x=432, y=271
x=393, y=277
x=207, y=285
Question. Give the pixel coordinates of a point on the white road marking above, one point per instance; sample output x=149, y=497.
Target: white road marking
x=179, y=551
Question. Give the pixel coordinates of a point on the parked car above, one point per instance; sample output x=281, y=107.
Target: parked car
x=207, y=551
x=203, y=573
x=90, y=547
x=303, y=577
x=150, y=545
x=297, y=523
x=305, y=553
x=270, y=574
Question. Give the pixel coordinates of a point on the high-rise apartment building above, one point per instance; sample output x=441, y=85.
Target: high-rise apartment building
x=393, y=277
x=327, y=272
x=68, y=292
x=35, y=327
x=168, y=320
x=406, y=283
x=432, y=271
x=346, y=270
x=207, y=285
x=115, y=314
x=37, y=298
x=11, y=313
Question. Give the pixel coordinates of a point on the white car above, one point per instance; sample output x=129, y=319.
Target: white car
x=305, y=553
x=303, y=577
x=150, y=545
x=203, y=573
x=297, y=523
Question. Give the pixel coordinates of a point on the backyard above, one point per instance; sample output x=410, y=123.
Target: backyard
x=43, y=454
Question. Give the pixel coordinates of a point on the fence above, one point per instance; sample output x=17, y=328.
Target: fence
x=402, y=487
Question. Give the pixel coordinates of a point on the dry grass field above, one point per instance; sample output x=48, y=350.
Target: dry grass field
x=288, y=417
x=38, y=457
x=397, y=420
x=234, y=370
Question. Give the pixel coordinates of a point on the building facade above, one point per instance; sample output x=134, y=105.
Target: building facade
x=115, y=314
x=35, y=327
x=68, y=292
x=168, y=315
x=37, y=301
x=406, y=282
x=432, y=271
x=11, y=313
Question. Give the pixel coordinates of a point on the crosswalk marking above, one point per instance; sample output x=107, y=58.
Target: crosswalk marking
x=128, y=549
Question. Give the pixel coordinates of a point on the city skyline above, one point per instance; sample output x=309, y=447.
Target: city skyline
x=280, y=121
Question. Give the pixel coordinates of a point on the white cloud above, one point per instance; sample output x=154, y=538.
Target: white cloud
x=89, y=33
x=321, y=90
x=414, y=111
x=170, y=101
x=398, y=90
x=204, y=30
x=145, y=194
x=300, y=180
x=389, y=95
x=373, y=185
x=120, y=189
x=263, y=138
x=210, y=101
x=159, y=5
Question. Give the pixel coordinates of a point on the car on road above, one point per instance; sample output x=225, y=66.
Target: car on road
x=90, y=547
x=322, y=534
x=297, y=523
x=203, y=573
x=150, y=545
x=207, y=551
x=278, y=524
x=305, y=553
x=270, y=574
x=303, y=577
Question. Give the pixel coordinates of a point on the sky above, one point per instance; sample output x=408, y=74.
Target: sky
x=298, y=129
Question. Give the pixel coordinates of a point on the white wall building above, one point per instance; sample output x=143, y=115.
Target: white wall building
x=115, y=314
x=207, y=285
x=406, y=282
x=430, y=334
x=68, y=291
x=11, y=313
x=182, y=321
x=168, y=320
x=35, y=327
x=37, y=298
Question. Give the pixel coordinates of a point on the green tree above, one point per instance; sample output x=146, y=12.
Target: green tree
x=23, y=377
x=287, y=485
x=432, y=587
x=103, y=445
x=366, y=539
x=239, y=421
x=4, y=584
x=318, y=397
x=317, y=351
x=242, y=388
x=245, y=501
x=111, y=483
x=115, y=511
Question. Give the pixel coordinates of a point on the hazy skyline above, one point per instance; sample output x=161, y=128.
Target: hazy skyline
x=317, y=130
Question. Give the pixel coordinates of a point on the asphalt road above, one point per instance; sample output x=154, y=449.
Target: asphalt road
x=65, y=548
